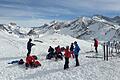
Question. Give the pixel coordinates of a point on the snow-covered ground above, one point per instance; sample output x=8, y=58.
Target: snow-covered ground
x=13, y=48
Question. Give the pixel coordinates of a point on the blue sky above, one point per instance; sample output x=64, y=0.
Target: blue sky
x=36, y=12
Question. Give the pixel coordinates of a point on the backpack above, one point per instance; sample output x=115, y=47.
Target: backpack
x=20, y=62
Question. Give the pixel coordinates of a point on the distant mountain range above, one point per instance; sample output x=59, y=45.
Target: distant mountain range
x=97, y=26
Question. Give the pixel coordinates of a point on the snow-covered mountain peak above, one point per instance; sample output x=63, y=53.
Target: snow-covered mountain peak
x=117, y=17
x=53, y=22
x=82, y=27
x=13, y=26
x=98, y=18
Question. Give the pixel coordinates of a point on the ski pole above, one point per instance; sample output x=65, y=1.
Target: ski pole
x=104, y=50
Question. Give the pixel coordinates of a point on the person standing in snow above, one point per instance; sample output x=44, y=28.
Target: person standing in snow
x=71, y=49
x=67, y=56
x=96, y=45
x=29, y=46
x=76, y=53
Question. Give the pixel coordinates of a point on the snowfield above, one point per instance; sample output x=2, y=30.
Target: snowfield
x=14, y=48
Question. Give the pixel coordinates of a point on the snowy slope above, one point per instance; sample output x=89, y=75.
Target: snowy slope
x=13, y=48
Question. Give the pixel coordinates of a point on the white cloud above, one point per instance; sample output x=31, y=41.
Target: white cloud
x=24, y=23
x=33, y=22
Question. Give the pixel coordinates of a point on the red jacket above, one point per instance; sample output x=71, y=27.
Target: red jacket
x=37, y=63
x=30, y=59
x=67, y=53
x=58, y=50
x=96, y=43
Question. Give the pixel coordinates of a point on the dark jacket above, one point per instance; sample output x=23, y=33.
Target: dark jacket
x=29, y=45
x=71, y=48
x=51, y=50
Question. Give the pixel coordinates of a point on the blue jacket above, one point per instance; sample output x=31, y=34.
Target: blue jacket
x=76, y=49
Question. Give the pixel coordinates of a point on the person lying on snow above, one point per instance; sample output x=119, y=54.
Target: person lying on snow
x=31, y=61
x=20, y=62
x=51, y=53
x=58, y=53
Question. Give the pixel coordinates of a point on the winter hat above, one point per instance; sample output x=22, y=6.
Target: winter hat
x=67, y=47
x=30, y=39
x=75, y=42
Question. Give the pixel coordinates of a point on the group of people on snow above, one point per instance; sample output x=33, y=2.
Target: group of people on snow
x=68, y=51
x=31, y=60
x=56, y=53
x=74, y=51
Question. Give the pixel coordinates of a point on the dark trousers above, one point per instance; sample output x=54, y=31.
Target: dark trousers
x=29, y=65
x=29, y=51
x=50, y=55
x=76, y=58
x=66, y=63
x=36, y=65
x=58, y=55
x=96, y=50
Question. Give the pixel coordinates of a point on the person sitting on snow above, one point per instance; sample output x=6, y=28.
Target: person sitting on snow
x=29, y=61
x=58, y=53
x=51, y=53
